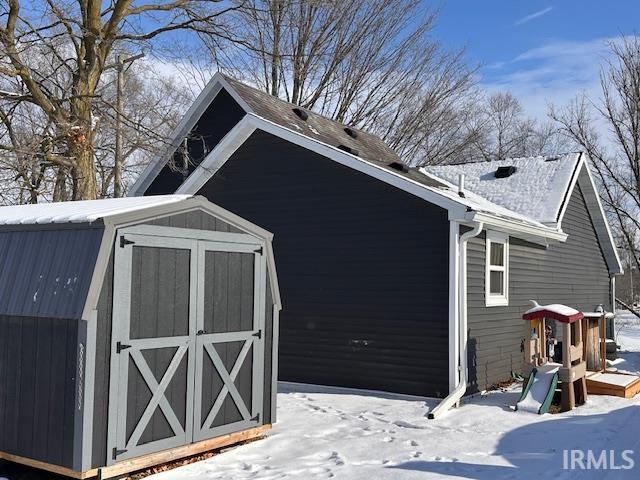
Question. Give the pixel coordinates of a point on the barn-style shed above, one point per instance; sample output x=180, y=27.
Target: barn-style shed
x=132, y=332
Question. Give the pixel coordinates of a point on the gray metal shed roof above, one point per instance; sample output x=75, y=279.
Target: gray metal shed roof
x=47, y=273
x=86, y=211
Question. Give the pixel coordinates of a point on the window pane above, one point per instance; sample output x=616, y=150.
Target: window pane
x=496, y=283
x=497, y=254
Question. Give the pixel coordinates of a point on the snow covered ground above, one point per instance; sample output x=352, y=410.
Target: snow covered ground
x=330, y=433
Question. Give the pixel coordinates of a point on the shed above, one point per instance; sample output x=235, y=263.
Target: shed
x=132, y=332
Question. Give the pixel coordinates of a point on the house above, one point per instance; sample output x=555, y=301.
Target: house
x=385, y=269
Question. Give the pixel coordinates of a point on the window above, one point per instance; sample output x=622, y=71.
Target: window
x=497, y=274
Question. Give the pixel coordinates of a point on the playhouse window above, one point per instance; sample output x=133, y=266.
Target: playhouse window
x=497, y=272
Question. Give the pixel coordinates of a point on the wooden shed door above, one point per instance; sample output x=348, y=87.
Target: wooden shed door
x=229, y=344
x=187, y=348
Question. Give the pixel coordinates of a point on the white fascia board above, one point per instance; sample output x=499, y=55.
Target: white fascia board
x=531, y=233
x=572, y=184
x=618, y=270
x=219, y=155
x=188, y=121
x=239, y=134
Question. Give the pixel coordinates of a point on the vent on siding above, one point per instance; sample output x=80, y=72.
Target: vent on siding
x=551, y=159
x=504, y=172
x=351, y=132
x=302, y=114
x=347, y=149
x=401, y=167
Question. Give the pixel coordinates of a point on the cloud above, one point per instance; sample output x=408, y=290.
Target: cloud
x=553, y=73
x=533, y=16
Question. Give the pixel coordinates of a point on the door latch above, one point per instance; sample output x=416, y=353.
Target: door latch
x=201, y=332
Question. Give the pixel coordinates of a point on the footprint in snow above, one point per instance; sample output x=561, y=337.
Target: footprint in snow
x=411, y=443
x=388, y=439
x=403, y=424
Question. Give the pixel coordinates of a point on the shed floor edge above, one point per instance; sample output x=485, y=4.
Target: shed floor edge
x=145, y=461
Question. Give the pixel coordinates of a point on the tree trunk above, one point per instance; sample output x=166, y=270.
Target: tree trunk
x=60, y=193
x=84, y=173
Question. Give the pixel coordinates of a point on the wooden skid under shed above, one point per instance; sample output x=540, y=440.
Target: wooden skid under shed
x=602, y=384
x=146, y=461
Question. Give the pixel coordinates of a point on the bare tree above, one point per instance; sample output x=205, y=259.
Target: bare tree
x=615, y=157
x=367, y=63
x=505, y=131
x=54, y=55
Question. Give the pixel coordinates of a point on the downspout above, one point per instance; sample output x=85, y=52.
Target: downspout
x=455, y=396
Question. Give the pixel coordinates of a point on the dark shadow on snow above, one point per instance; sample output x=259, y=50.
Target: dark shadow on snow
x=536, y=450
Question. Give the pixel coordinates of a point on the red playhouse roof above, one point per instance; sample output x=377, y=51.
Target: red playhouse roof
x=558, y=312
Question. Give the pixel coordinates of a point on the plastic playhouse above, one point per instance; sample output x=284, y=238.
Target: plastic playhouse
x=583, y=365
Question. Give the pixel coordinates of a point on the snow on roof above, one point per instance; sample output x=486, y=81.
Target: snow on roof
x=480, y=204
x=536, y=190
x=557, y=311
x=81, y=211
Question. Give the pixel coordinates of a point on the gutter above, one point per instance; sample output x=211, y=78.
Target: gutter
x=455, y=396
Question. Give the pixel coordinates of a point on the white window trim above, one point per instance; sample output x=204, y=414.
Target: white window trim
x=493, y=300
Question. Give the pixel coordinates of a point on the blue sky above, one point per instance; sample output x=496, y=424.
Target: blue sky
x=542, y=51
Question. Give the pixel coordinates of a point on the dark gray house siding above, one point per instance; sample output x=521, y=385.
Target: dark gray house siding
x=363, y=268
x=572, y=273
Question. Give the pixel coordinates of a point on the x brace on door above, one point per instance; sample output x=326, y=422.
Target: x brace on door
x=229, y=387
x=158, y=398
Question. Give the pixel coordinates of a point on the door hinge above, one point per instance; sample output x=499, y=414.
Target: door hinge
x=256, y=418
x=121, y=346
x=258, y=334
x=117, y=452
x=124, y=241
x=259, y=251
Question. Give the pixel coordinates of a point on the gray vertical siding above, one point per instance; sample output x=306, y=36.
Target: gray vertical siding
x=572, y=273
x=196, y=220
x=362, y=266
x=38, y=359
x=269, y=394
x=102, y=370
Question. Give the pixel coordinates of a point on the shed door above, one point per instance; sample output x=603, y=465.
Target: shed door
x=187, y=343
x=229, y=344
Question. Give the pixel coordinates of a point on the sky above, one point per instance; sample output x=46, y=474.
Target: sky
x=542, y=51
